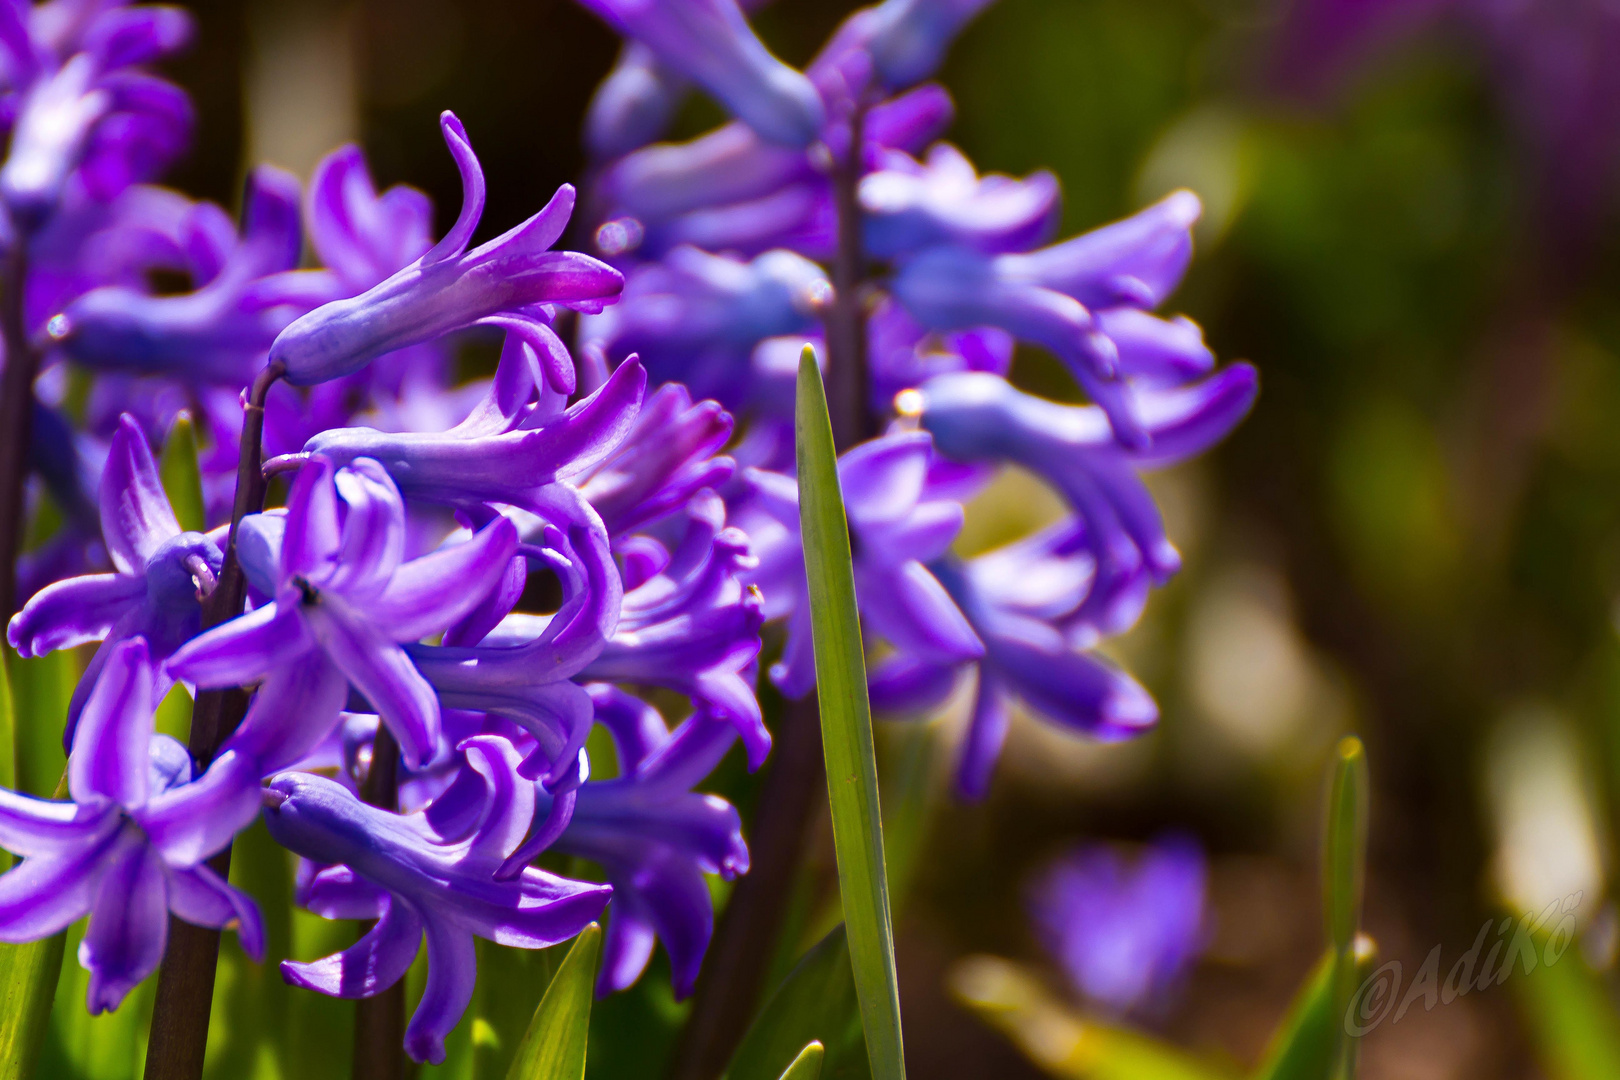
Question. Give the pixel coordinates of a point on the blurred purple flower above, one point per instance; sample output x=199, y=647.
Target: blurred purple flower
x=711, y=43
x=428, y=874
x=152, y=592
x=129, y=848
x=656, y=838
x=344, y=601
x=908, y=205
x=901, y=42
x=1124, y=932
x=510, y=282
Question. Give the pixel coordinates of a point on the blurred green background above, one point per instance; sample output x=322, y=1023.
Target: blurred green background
x=1416, y=535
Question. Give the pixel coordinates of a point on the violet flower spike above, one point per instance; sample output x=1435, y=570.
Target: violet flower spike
x=633, y=105
x=711, y=43
x=151, y=593
x=506, y=283
x=129, y=848
x=344, y=602
x=434, y=876
x=908, y=205
x=656, y=839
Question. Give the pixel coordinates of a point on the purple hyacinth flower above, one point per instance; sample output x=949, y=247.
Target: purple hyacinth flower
x=153, y=589
x=656, y=839
x=80, y=110
x=669, y=454
x=344, y=602
x=904, y=41
x=895, y=527
x=981, y=418
x=1030, y=603
x=1124, y=932
x=633, y=105
x=429, y=875
x=221, y=332
x=1048, y=296
x=694, y=318
x=731, y=164
x=711, y=43
x=693, y=626
x=909, y=205
x=129, y=848
x=510, y=282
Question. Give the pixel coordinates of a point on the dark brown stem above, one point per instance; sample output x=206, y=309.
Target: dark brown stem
x=16, y=419
x=185, y=991
x=379, y=1021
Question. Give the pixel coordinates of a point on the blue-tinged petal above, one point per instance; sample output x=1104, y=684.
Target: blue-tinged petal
x=907, y=606
x=293, y=711
x=336, y=892
x=383, y=673
x=986, y=733
x=34, y=827
x=1076, y=690
x=73, y=612
x=362, y=236
x=1137, y=261
x=313, y=536
x=434, y=592
x=244, y=650
x=109, y=759
x=135, y=514
x=43, y=895
x=369, y=966
x=455, y=241
x=508, y=801
x=1190, y=419
x=202, y=898
x=636, y=727
x=882, y=479
x=129, y=922
x=906, y=684
x=452, y=975
x=633, y=105
x=190, y=822
x=373, y=530
x=627, y=946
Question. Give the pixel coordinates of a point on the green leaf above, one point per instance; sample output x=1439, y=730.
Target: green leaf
x=846, y=727
x=1060, y=1041
x=807, y=1066
x=1306, y=1044
x=815, y=1003
x=1569, y=1012
x=182, y=476
x=41, y=688
x=1345, y=857
x=27, y=972
x=554, y=1046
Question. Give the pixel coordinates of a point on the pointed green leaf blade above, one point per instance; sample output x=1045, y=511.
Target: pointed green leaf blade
x=1345, y=857
x=807, y=1066
x=182, y=476
x=816, y=1002
x=846, y=727
x=1306, y=1044
x=554, y=1046
x=27, y=972
x=1568, y=1011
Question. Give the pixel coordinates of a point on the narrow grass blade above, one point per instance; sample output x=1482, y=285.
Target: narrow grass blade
x=1344, y=868
x=28, y=972
x=1306, y=1044
x=807, y=1066
x=815, y=1003
x=846, y=727
x=554, y=1046
x=182, y=476
x=1061, y=1042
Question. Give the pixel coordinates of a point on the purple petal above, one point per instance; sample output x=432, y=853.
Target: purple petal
x=472, y=191
x=336, y=892
x=909, y=607
x=636, y=727
x=43, y=895
x=190, y=822
x=427, y=595
x=369, y=966
x=883, y=479
x=627, y=946
x=905, y=684
x=508, y=801
x=384, y=674
x=73, y=612
x=135, y=514
x=313, y=538
x=202, y=898
x=109, y=745
x=244, y=650
x=295, y=708
x=32, y=827
x=451, y=977
x=373, y=530
x=987, y=731
x=129, y=922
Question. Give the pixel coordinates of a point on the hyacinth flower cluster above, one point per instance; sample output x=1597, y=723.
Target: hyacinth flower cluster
x=735, y=246
x=415, y=724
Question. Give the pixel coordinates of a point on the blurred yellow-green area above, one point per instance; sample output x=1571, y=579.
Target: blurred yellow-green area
x=1415, y=536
